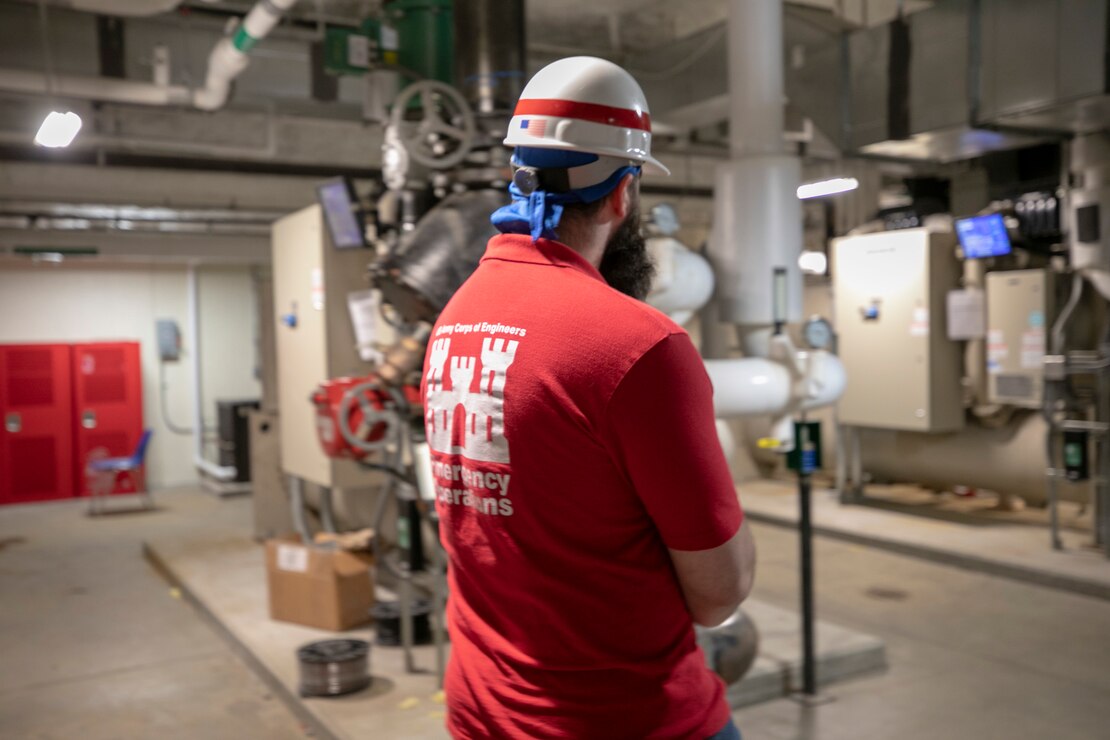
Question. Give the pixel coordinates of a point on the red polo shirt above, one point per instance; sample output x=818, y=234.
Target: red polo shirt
x=573, y=442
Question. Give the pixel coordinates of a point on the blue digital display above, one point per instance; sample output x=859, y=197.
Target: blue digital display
x=343, y=220
x=983, y=236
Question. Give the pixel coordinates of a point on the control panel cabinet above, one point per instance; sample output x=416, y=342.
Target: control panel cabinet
x=889, y=299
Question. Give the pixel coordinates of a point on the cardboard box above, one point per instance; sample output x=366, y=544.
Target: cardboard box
x=328, y=589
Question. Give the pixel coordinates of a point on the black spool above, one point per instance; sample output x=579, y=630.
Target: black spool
x=334, y=667
x=387, y=622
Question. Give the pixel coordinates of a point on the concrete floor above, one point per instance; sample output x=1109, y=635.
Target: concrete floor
x=1011, y=545
x=94, y=644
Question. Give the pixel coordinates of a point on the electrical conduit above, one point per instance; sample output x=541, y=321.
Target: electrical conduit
x=216, y=471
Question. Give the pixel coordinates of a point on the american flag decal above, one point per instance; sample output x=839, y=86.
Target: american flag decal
x=534, y=126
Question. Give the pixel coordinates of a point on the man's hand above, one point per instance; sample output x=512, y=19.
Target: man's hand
x=715, y=582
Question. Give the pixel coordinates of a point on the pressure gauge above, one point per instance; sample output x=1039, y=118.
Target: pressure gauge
x=818, y=333
x=665, y=219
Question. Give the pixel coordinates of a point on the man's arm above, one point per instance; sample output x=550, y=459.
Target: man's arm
x=715, y=581
x=665, y=437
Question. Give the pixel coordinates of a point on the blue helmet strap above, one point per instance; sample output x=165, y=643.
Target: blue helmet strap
x=538, y=213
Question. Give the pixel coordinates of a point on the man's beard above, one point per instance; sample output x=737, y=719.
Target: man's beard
x=626, y=264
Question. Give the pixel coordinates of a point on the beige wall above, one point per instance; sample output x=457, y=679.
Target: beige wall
x=63, y=303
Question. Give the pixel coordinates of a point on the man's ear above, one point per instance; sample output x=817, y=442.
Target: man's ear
x=622, y=197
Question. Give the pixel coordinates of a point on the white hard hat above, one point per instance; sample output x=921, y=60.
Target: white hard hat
x=585, y=104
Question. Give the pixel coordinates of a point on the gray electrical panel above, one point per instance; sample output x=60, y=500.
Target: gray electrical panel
x=169, y=340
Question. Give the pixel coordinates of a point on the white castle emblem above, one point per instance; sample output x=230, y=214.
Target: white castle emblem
x=458, y=421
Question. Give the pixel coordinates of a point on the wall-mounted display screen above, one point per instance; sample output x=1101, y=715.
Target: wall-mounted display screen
x=337, y=198
x=983, y=236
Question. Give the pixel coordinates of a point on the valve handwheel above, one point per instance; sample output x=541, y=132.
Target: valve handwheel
x=444, y=134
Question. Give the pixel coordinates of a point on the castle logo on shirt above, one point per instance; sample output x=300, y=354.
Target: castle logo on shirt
x=464, y=413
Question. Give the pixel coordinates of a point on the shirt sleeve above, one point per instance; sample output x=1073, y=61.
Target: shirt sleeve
x=663, y=433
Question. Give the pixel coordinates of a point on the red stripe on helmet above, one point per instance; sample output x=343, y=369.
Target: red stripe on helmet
x=592, y=112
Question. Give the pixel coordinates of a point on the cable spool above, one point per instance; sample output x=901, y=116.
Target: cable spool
x=387, y=622
x=334, y=667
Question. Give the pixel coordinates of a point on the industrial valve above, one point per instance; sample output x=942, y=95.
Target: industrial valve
x=355, y=416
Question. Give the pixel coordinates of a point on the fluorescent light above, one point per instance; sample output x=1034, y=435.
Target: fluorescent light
x=58, y=130
x=827, y=187
x=813, y=263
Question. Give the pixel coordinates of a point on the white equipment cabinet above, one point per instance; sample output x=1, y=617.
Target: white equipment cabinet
x=890, y=291
x=315, y=339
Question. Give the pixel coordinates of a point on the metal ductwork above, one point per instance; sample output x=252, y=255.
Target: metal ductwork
x=966, y=77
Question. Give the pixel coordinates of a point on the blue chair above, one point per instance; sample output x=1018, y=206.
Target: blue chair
x=102, y=473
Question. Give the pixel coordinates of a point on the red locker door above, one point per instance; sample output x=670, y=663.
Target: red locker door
x=107, y=406
x=36, y=413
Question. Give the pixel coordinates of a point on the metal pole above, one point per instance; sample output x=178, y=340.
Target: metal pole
x=327, y=511
x=1053, y=473
x=805, y=535
x=296, y=506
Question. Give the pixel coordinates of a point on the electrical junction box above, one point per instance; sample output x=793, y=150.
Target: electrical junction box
x=169, y=340
x=1019, y=304
x=890, y=292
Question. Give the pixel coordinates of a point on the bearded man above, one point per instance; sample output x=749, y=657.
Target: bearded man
x=585, y=503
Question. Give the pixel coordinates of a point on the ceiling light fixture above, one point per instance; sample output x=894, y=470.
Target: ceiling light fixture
x=827, y=187
x=58, y=129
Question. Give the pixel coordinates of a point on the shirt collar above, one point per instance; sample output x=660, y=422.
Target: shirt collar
x=521, y=248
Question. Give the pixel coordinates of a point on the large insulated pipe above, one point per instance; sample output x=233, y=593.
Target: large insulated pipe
x=1008, y=460
x=757, y=219
x=230, y=55
x=753, y=386
x=489, y=53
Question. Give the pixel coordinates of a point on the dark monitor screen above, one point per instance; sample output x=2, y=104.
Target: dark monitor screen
x=983, y=236
x=337, y=198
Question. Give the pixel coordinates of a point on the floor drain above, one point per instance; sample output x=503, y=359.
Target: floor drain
x=887, y=594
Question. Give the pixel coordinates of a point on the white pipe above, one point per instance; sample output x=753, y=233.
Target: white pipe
x=684, y=281
x=92, y=88
x=229, y=57
x=193, y=329
x=757, y=218
x=753, y=386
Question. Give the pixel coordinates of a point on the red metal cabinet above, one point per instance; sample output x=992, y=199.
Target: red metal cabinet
x=107, y=407
x=36, y=414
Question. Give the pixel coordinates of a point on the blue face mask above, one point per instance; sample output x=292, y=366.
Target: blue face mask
x=538, y=213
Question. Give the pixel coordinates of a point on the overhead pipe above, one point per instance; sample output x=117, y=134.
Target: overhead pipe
x=93, y=88
x=222, y=473
x=230, y=56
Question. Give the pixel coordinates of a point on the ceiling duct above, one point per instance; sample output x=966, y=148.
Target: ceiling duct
x=969, y=77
